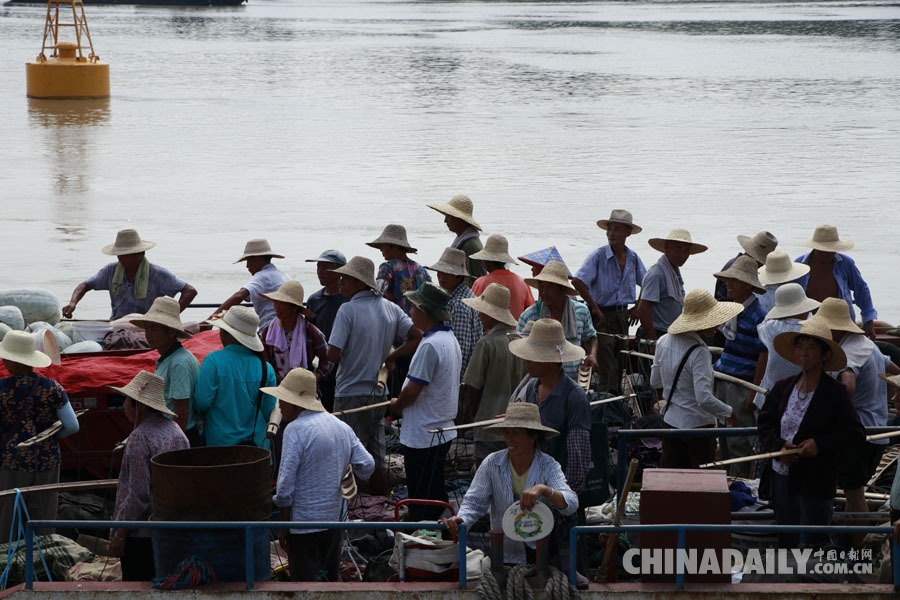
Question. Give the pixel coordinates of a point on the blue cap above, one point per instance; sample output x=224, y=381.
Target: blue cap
x=330, y=256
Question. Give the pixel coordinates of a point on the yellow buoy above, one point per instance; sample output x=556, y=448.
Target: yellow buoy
x=67, y=72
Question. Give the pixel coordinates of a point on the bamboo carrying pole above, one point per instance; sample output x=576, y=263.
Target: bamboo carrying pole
x=732, y=461
x=47, y=433
x=600, y=577
x=64, y=487
x=716, y=374
x=361, y=408
x=499, y=418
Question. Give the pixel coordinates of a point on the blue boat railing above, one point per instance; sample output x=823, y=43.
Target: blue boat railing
x=682, y=530
x=247, y=526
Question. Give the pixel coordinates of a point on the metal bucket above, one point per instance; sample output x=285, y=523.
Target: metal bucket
x=229, y=483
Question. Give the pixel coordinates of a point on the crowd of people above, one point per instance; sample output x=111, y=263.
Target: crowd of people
x=475, y=345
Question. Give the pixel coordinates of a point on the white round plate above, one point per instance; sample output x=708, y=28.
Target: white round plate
x=527, y=526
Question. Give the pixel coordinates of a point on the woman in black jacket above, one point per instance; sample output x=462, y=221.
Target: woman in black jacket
x=812, y=412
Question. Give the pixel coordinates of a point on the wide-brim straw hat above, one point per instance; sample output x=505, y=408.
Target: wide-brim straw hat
x=784, y=344
x=835, y=313
x=459, y=206
x=702, y=311
x=521, y=415
x=45, y=341
x=759, y=246
x=622, y=216
x=546, y=343
x=452, y=262
x=779, y=268
x=553, y=272
x=790, y=300
x=496, y=249
x=291, y=292
x=360, y=268
x=392, y=234
x=744, y=268
x=826, y=239
x=677, y=235
x=298, y=388
x=431, y=300
x=257, y=247
x=164, y=311
x=494, y=302
x=18, y=347
x=127, y=242
x=242, y=323
x=148, y=389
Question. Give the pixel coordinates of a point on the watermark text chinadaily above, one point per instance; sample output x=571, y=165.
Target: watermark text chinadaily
x=711, y=561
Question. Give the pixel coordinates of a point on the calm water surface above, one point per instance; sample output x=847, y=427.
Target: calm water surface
x=316, y=123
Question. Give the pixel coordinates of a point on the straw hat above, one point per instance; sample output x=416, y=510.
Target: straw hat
x=18, y=347
x=127, y=242
x=835, y=314
x=392, y=234
x=452, y=262
x=546, y=343
x=743, y=269
x=460, y=206
x=619, y=215
x=826, y=238
x=335, y=257
x=45, y=341
x=784, y=344
x=703, y=311
x=257, y=247
x=242, y=323
x=779, y=268
x=431, y=300
x=521, y=415
x=148, y=389
x=494, y=302
x=759, y=246
x=554, y=272
x=164, y=311
x=360, y=268
x=677, y=235
x=496, y=249
x=790, y=300
x=298, y=388
x=893, y=380
x=291, y=292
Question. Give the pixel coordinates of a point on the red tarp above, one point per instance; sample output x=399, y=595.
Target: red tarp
x=84, y=374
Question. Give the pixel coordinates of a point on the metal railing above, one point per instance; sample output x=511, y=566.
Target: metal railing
x=247, y=526
x=682, y=530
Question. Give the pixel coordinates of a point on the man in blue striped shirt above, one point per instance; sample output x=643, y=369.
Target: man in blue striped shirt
x=740, y=357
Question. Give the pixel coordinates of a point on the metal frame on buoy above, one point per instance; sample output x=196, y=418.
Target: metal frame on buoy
x=67, y=72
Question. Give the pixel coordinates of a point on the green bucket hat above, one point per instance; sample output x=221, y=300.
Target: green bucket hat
x=431, y=300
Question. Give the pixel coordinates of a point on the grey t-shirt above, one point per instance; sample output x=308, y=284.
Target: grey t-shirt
x=364, y=329
x=265, y=281
x=654, y=289
x=161, y=282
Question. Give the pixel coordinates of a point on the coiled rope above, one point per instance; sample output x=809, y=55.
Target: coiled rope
x=518, y=588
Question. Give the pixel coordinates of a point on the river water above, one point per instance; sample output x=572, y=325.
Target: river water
x=316, y=123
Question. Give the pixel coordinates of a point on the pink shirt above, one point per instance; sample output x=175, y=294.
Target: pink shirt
x=520, y=295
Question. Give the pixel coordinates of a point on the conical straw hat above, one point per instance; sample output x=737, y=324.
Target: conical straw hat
x=496, y=249
x=164, y=311
x=790, y=300
x=257, y=247
x=835, y=314
x=784, y=344
x=147, y=389
x=759, y=246
x=452, y=262
x=360, y=268
x=703, y=311
x=18, y=347
x=127, y=242
x=242, y=323
x=743, y=269
x=521, y=415
x=677, y=235
x=554, y=272
x=297, y=388
x=619, y=215
x=494, y=302
x=392, y=234
x=546, y=343
x=779, y=268
x=826, y=239
x=459, y=206
x=291, y=292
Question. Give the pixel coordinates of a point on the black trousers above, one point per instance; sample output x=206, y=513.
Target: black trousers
x=137, y=560
x=425, y=479
x=310, y=553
